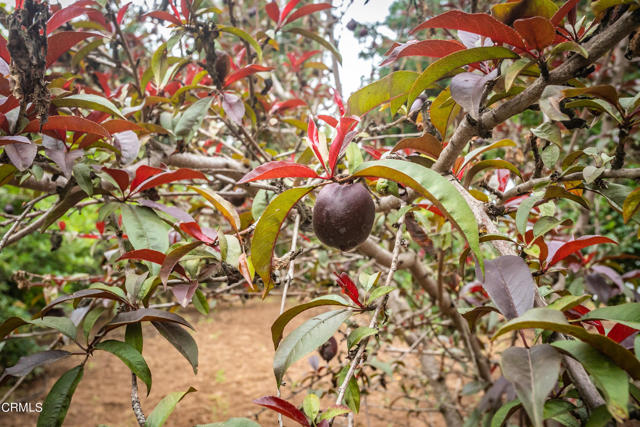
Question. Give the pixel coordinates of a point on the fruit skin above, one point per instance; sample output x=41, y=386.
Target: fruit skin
x=343, y=215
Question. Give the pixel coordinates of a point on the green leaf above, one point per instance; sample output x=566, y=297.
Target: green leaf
x=144, y=228
x=89, y=102
x=550, y=155
x=311, y=406
x=533, y=372
x=504, y=412
x=62, y=324
x=313, y=36
x=522, y=214
x=281, y=322
x=486, y=164
x=244, y=36
x=610, y=379
x=627, y=314
x=544, y=225
x=443, y=66
x=560, y=411
x=56, y=404
x=165, y=407
x=130, y=357
x=513, y=71
x=181, y=339
x=599, y=417
x=631, y=205
x=90, y=320
x=481, y=150
x=133, y=336
x=191, y=120
x=553, y=320
x=331, y=413
x=378, y=292
x=388, y=88
x=568, y=301
x=434, y=187
x=306, y=338
x=267, y=230
x=352, y=393
x=200, y=302
x=359, y=334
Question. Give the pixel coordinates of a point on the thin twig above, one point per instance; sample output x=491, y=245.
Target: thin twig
x=363, y=344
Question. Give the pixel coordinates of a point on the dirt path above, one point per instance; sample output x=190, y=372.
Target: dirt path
x=235, y=367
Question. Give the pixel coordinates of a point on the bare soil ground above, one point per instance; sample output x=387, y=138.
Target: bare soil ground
x=235, y=367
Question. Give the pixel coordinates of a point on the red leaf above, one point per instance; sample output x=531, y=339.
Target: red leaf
x=150, y=255
x=283, y=407
x=143, y=173
x=100, y=227
x=98, y=17
x=119, y=176
x=428, y=48
x=121, y=13
x=477, y=23
x=557, y=17
x=337, y=98
x=333, y=122
x=620, y=332
x=312, y=134
x=341, y=140
x=278, y=169
x=119, y=125
x=185, y=7
x=348, y=287
x=273, y=11
x=244, y=72
x=194, y=230
x=538, y=32
x=68, y=123
x=285, y=105
x=287, y=10
x=62, y=225
x=169, y=176
x=580, y=310
x=575, y=245
x=4, y=52
x=63, y=41
x=164, y=16
x=63, y=16
x=376, y=154
x=307, y=10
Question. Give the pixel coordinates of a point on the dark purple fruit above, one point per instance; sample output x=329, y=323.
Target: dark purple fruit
x=329, y=349
x=343, y=215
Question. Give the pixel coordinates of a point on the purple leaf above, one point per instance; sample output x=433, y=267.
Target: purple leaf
x=233, y=106
x=27, y=363
x=177, y=213
x=597, y=285
x=57, y=152
x=128, y=144
x=184, y=293
x=533, y=372
x=510, y=285
x=467, y=89
x=21, y=154
x=610, y=273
